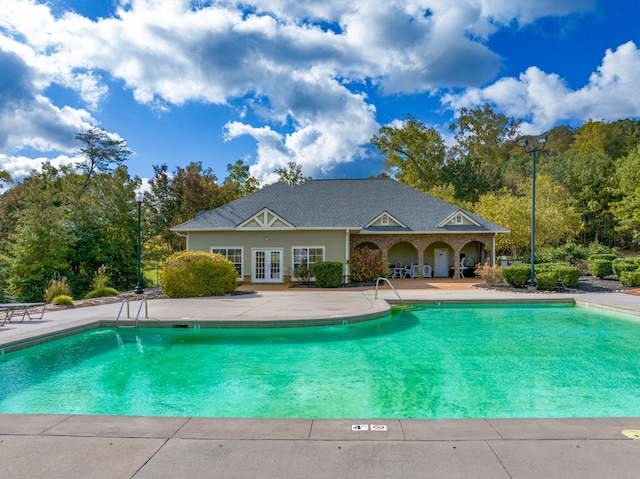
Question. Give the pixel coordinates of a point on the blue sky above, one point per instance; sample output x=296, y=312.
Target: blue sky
x=272, y=81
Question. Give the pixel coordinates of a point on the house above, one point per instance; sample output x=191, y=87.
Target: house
x=269, y=234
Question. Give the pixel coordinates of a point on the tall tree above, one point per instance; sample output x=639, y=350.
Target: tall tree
x=483, y=144
x=5, y=177
x=627, y=210
x=291, y=174
x=102, y=152
x=239, y=181
x=414, y=153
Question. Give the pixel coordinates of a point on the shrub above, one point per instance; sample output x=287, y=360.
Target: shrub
x=101, y=293
x=189, y=274
x=630, y=278
x=492, y=275
x=597, y=249
x=57, y=286
x=517, y=275
x=621, y=265
x=303, y=274
x=99, y=288
x=62, y=300
x=366, y=265
x=600, y=267
x=547, y=281
x=568, y=276
x=328, y=274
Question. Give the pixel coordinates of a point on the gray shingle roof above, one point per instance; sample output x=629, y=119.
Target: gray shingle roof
x=345, y=203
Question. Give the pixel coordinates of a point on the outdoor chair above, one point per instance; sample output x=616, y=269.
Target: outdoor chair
x=426, y=271
x=414, y=271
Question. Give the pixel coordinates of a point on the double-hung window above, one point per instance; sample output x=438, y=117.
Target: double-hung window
x=232, y=254
x=306, y=256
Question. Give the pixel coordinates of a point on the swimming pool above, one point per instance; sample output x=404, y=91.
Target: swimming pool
x=424, y=361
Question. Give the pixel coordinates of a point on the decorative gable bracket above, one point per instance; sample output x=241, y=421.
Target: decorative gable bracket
x=265, y=219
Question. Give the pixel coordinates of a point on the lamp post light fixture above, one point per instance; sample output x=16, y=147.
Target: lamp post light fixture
x=139, y=198
x=533, y=146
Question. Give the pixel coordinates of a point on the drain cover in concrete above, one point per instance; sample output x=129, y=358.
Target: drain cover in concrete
x=632, y=433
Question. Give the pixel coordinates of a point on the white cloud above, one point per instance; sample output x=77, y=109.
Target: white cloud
x=286, y=62
x=21, y=166
x=543, y=99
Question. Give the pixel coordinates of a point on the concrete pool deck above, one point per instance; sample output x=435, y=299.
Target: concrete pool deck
x=69, y=446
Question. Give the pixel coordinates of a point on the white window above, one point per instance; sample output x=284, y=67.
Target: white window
x=306, y=256
x=459, y=219
x=232, y=254
x=385, y=220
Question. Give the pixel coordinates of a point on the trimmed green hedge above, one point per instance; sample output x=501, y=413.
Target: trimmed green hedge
x=517, y=275
x=621, y=265
x=547, y=281
x=601, y=267
x=328, y=274
x=630, y=278
x=548, y=275
x=189, y=274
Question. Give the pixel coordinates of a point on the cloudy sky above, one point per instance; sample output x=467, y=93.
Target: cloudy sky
x=272, y=81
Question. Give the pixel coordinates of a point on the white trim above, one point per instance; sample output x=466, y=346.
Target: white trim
x=280, y=279
x=242, y=258
x=390, y=220
x=293, y=262
x=452, y=218
x=265, y=218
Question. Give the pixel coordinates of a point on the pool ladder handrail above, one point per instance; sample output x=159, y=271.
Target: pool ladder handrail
x=389, y=283
x=126, y=301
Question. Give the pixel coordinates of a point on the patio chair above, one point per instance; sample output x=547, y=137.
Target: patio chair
x=398, y=270
x=463, y=267
x=426, y=271
x=414, y=271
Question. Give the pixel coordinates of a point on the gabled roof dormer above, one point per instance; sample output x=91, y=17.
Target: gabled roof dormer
x=265, y=219
x=459, y=218
x=384, y=219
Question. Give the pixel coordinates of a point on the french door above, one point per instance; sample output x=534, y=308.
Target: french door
x=267, y=266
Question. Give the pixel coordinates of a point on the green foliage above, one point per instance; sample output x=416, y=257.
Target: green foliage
x=57, y=286
x=596, y=248
x=102, y=151
x=303, y=274
x=492, y=275
x=99, y=286
x=630, y=278
x=627, y=210
x=517, y=275
x=101, y=293
x=291, y=174
x=547, y=281
x=570, y=253
x=328, y=274
x=190, y=274
x=621, y=265
x=600, y=267
x=366, y=265
x=62, y=300
x=566, y=276
x=414, y=153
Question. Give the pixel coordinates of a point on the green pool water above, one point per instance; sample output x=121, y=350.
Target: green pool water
x=472, y=361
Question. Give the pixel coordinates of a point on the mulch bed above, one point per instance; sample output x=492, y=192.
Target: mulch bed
x=586, y=284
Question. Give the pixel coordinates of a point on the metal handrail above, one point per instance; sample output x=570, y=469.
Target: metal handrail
x=126, y=301
x=389, y=283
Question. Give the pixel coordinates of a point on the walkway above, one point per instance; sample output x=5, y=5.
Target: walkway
x=52, y=446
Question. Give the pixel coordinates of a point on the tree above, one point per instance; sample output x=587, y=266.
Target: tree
x=556, y=218
x=627, y=211
x=291, y=174
x=102, y=152
x=484, y=140
x=414, y=153
x=174, y=199
x=239, y=181
x=5, y=177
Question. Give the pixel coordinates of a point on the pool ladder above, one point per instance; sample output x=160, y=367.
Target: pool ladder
x=135, y=325
x=389, y=283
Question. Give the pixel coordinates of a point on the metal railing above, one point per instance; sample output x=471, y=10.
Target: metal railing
x=389, y=283
x=135, y=325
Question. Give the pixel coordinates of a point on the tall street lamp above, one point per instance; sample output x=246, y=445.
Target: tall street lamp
x=532, y=147
x=139, y=197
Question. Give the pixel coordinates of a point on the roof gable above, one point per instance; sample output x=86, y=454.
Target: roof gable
x=458, y=218
x=265, y=220
x=383, y=220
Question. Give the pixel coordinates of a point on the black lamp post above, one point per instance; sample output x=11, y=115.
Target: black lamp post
x=533, y=147
x=139, y=197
